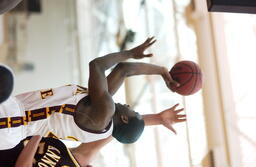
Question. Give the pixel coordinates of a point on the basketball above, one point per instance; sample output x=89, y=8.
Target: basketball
x=189, y=75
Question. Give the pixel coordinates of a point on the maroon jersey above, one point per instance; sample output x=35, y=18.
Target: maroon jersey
x=51, y=152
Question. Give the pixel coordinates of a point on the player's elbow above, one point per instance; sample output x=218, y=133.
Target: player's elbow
x=96, y=64
x=123, y=69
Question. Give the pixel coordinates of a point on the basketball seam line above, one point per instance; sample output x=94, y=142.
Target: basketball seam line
x=195, y=81
x=185, y=82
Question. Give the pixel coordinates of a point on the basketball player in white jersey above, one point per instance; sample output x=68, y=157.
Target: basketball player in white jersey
x=52, y=152
x=75, y=113
x=7, y=5
x=54, y=111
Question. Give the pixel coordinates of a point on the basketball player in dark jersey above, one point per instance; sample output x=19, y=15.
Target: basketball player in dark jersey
x=39, y=152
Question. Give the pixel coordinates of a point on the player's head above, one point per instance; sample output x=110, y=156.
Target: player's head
x=128, y=125
x=6, y=5
x=6, y=82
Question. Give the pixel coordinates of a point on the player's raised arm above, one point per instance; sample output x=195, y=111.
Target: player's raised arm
x=124, y=69
x=26, y=157
x=127, y=69
x=102, y=106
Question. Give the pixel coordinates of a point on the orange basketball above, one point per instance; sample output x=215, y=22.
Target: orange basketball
x=189, y=75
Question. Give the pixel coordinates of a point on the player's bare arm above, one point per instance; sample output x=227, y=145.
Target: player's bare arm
x=137, y=53
x=166, y=118
x=101, y=108
x=127, y=69
x=26, y=157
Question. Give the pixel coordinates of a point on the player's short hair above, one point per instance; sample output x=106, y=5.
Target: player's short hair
x=6, y=5
x=6, y=82
x=128, y=125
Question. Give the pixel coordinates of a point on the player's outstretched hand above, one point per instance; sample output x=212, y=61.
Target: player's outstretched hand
x=138, y=52
x=171, y=116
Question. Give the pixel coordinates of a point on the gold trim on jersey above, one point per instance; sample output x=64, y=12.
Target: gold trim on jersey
x=73, y=158
x=72, y=138
x=35, y=115
x=9, y=122
x=61, y=108
x=28, y=114
x=70, y=109
x=51, y=134
x=48, y=112
x=24, y=122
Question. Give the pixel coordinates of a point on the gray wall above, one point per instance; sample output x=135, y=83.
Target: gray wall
x=48, y=41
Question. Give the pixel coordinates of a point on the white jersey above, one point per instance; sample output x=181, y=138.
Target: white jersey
x=46, y=113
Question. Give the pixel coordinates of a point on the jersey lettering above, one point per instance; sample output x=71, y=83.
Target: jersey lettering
x=81, y=90
x=46, y=93
x=40, y=164
x=50, y=158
